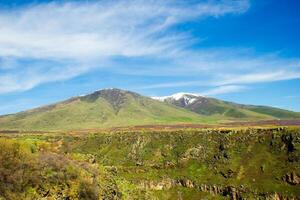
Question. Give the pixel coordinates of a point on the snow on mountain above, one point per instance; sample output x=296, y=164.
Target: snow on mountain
x=188, y=98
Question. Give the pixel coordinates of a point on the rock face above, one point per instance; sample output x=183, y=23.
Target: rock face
x=289, y=142
x=157, y=185
x=194, y=153
x=186, y=183
x=165, y=184
x=292, y=178
x=233, y=193
x=280, y=197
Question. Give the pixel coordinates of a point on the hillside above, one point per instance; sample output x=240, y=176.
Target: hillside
x=223, y=109
x=114, y=108
x=101, y=109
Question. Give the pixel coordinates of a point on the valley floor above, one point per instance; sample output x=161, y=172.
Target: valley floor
x=191, y=163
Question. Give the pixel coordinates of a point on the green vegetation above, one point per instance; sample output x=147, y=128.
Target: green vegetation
x=188, y=164
x=227, y=110
x=69, y=163
x=106, y=108
x=118, y=108
x=276, y=112
x=28, y=171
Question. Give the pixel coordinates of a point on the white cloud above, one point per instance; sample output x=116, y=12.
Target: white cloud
x=104, y=28
x=26, y=75
x=292, y=97
x=57, y=41
x=175, y=84
x=269, y=76
x=64, y=40
x=223, y=90
x=218, y=67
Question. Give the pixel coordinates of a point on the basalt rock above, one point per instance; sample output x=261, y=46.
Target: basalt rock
x=186, y=183
x=228, y=174
x=277, y=196
x=289, y=141
x=292, y=178
x=157, y=185
x=232, y=192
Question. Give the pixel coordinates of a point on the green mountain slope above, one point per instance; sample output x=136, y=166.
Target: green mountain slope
x=115, y=108
x=228, y=110
x=104, y=108
x=276, y=112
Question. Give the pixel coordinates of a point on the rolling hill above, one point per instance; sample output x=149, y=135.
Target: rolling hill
x=117, y=108
x=101, y=109
x=218, y=108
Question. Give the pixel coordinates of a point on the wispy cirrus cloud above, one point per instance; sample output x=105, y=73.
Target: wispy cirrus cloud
x=64, y=40
x=175, y=84
x=49, y=42
x=224, y=89
x=269, y=76
x=84, y=31
x=215, y=69
x=26, y=75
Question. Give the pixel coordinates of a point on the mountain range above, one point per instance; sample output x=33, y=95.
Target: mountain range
x=114, y=108
x=215, y=107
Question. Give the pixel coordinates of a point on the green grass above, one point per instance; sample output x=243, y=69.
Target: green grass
x=216, y=107
x=115, y=108
x=276, y=112
x=100, y=113
x=228, y=110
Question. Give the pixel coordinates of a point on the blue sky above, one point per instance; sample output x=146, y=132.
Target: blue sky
x=246, y=51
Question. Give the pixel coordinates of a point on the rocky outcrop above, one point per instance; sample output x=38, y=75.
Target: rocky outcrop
x=186, y=183
x=289, y=142
x=292, y=178
x=137, y=146
x=234, y=193
x=197, y=153
x=277, y=196
x=165, y=184
x=157, y=185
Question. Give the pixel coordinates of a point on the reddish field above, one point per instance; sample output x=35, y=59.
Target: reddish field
x=266, y=123
x=199, y=126
x=171, y=127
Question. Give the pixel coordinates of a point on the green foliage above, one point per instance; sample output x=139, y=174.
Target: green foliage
x=25, y=174
x=151, y=165
x=247, y=157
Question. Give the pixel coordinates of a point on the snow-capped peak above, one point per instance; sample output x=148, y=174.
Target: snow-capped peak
x=187, y=97
x=181, y=95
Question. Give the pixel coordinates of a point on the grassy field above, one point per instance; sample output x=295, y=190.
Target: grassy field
x=215, y=163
